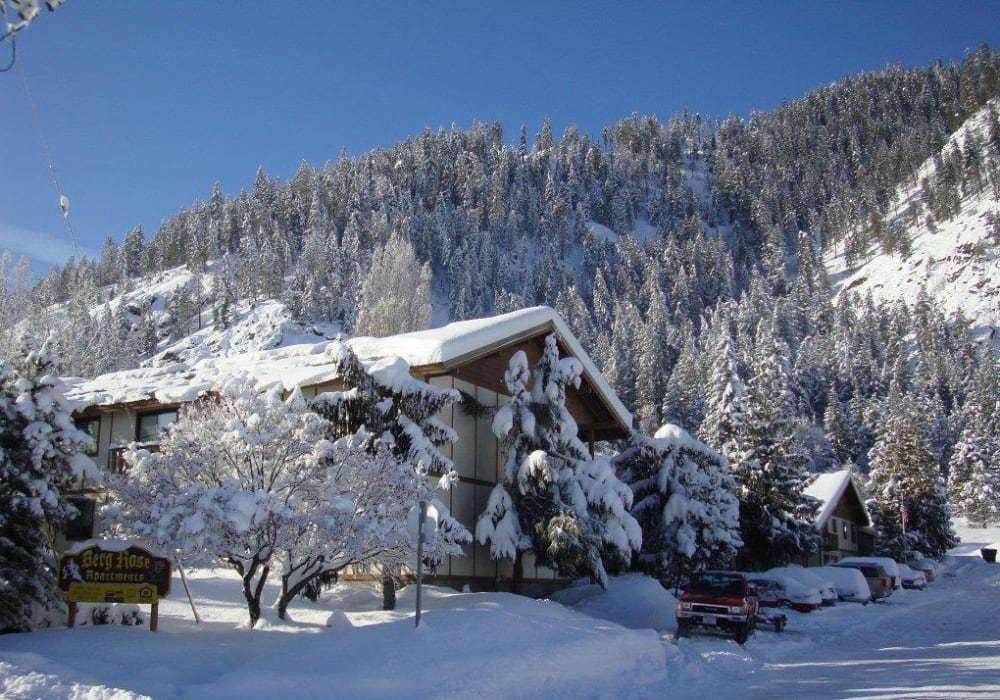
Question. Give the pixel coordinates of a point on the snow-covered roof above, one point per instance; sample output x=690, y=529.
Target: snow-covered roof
x=291, y=366
x=463, y=341
x=828, y=489
x=310, y=363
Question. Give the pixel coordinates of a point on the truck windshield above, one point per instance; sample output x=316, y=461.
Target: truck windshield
x=717, y=584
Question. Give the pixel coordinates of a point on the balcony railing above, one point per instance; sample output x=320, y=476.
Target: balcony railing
x=830, y=541
x=116, y=457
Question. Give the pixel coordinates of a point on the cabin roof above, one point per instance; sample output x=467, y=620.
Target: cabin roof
x=829, y=489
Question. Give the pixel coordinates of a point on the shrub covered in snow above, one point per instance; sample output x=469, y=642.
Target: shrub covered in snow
x=40, y=456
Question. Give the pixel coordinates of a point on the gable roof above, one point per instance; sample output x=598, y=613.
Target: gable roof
x=428, y=352
x=441, y=350
x=829, y=489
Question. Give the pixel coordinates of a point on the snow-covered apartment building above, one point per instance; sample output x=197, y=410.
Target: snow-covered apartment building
x=471, y=356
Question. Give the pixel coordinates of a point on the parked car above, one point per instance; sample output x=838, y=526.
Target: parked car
x=879, y=580
x=921, y=563
x=911, y=578
x=887, y=563
x=810, y=577
x=850, y=584
x=780, y=590
x=718, y=601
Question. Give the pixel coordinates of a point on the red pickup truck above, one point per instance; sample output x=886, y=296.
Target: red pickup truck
x=719, y=601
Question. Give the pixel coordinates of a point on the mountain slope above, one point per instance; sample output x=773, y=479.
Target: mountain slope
x=955, y=262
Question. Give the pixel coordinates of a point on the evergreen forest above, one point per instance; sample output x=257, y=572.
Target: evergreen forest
x=686, y=253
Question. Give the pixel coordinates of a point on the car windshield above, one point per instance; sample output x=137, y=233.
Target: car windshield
x=719, y=584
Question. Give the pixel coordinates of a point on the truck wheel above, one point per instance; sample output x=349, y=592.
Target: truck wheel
x=779, y=625
x=743, y=633
x=683, y=629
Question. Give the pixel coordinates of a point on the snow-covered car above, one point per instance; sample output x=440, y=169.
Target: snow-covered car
x=927, y=566
x=911, y=578
x=810, y=577
x=779, y=590
x=886, y=563
x=879, y=580
x=850, y=584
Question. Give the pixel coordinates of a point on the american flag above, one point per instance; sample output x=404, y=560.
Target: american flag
x=904, y=514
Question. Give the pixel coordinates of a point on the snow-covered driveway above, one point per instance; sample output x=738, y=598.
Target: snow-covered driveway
x=943, y=642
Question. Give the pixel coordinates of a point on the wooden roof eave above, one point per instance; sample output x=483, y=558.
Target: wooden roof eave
x=611, y=428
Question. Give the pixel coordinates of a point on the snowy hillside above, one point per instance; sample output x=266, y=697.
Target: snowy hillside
x=955, y=262
x=254, y=326
x=260, y=326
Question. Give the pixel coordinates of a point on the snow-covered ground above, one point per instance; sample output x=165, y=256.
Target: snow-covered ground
x=943, y=642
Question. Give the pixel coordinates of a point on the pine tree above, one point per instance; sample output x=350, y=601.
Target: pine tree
x=625, y=334
x=655, y=360
x=725, y=396
x=835, y=427
x=776, y=518
x=685, y=503
x=684, y=396
x=224, y=290
x=973, y=475
x=554, y=499
x=905, y=478
x=400, y=412
x=40, y=456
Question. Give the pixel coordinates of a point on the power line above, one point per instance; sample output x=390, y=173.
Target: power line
x=13, y=51
x=63, y=199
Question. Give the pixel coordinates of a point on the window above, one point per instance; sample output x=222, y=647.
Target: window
x=82, y=526
x=91, y=426
x=854, y=532
x=845, y=530
x=833, y=526
x=150, y=425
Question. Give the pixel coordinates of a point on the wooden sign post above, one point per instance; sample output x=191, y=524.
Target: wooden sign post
x=128, y=574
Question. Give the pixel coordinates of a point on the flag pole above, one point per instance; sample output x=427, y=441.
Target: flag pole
x=904, y=517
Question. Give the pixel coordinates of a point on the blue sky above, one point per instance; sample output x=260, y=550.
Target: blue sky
x=142, y=106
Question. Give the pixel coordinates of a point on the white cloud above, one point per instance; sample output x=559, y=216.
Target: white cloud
x=42, y=248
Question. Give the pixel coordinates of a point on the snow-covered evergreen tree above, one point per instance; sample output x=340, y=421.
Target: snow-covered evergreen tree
x=41, y=455
x=685, y=501
x=554, y=498
x=776, y=518
x=725, y=396
x=974, y=476
x=684, y=396
x=904, y=478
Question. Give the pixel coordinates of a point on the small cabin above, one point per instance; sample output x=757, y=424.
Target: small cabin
x=842, y=522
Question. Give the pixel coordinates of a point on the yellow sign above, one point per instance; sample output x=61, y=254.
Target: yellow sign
x=132, y=593
x=114, y=568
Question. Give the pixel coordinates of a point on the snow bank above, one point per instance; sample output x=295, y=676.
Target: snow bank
x=634, y=601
